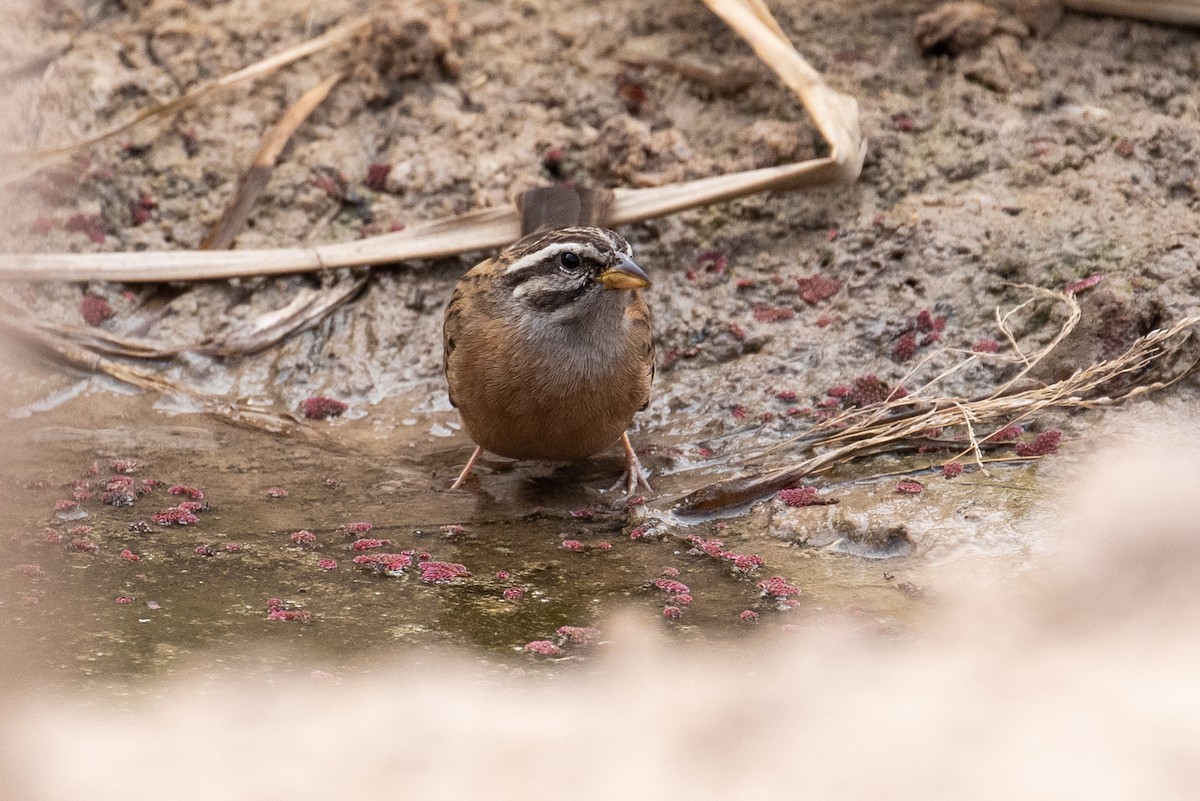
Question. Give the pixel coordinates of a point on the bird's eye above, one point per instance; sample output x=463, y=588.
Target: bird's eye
x=570, y=261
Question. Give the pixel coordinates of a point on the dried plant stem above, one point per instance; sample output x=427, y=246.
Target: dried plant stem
x=255, y=179
x=1179, y=12
x=239, y=413
x=867, y=435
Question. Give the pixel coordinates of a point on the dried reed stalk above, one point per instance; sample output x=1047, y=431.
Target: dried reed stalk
x=835, y=115
x=1179, y=12
x=903, y=424
x=254, y=179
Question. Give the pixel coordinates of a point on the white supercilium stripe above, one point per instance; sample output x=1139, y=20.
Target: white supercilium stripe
x=549, y=252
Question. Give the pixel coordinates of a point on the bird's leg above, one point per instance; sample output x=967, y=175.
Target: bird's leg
x=466, y=471
x=633, y=469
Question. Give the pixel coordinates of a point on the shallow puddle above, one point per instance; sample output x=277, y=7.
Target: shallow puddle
x=543, y=544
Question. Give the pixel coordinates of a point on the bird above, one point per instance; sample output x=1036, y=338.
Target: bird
x=548, y=348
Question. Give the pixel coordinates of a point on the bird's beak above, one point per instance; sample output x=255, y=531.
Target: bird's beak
x=626, y=275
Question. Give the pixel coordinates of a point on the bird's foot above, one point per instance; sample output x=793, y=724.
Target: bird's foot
x=635, y=474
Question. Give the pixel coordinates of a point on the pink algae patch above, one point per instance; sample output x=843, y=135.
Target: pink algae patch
x=543, y=648
x=130, y=556
x=320, y=407
x=777, y=587
x=672, y=612
x=910, y=487
x=276, y=492
x=327, y=564
x=350, y=529
x=1045, y=444
x=579, y=635
x=303, y=537
x=192, y=493
x=513, y=593
x=803, y=496
x=672, y=586
x=572, y=545
x=366, y=543
x=440, y=572
x=749, y=616
x=952, y=469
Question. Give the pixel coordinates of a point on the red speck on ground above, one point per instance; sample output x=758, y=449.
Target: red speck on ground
x=672, y=612
x=438, y=572
x=502, y=575
x=350, y=529
x=926, y=322
x=986, y=345
x=905, y=347
x=670, y=572
x=1045, y=444
x=839, y=391
x=777, y=587
x=632, y=93
x=832, y=234
x=513, y=593
x=903, y=122
x=95, y=310
x=233, y=547
x=712, y=261
x=585, y=513
x=41, y=225
x=772, y=314
x=605, y=546
x=130, y=556
x=572, y=545
x=738, y=412
x=868, y=389
x=749, y=616
x=87, y=224
x=51, y=537
x=79, y=531
x=786, y=395
x=124, y=466
x=119, y=496
x=672, y=586
x=327, y=564
x=744, y=283
x=33, y=571
x=803, y=496
x=579, y=635
x=204, y=550
x=64, y=505
x=367, y=542
x=453, y=529
x=303, y=537
x=910, y=487
x=1006, y=434
x=543, y=648
x=1076, y=287
x=683, y=599
x=124, y=599
x=377, y=174
x=952, y=469
x=192, y=493
x=638, y=532
x=320, y=407
x=276, y=492
x=736, y=331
